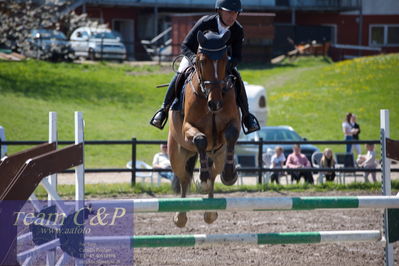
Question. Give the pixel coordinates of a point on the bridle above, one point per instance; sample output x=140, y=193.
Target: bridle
x=206, y=86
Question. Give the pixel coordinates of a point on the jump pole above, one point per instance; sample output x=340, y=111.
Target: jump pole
x=79, y=170
x=52, y=180
x=154, y=241
x=251, y=204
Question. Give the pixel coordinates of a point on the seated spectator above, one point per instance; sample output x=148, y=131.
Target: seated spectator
x=161, y=161
x=277, y=161
x=327, y=161
x=368, y=161
x=298, y=160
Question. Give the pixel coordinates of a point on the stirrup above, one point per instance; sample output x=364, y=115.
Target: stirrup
x=249, y=131
x=164, y=121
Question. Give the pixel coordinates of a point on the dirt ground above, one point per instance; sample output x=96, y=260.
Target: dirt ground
x=265, y=222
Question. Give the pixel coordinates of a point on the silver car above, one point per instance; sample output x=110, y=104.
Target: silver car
x=49, y=45
x=97, y=43
x=247, y=154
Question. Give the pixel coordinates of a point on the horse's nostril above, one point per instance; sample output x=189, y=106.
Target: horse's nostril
x=214, y=105
x=211, y=106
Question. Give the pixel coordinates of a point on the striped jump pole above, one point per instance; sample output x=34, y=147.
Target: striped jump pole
x=251, y=204
x=154, y=241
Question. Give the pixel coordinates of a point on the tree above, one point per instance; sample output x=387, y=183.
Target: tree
x=19, y=18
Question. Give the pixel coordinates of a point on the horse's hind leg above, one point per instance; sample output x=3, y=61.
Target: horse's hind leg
x=180, y=218
x=229, y=175
x=178, y=157
x=210, y=217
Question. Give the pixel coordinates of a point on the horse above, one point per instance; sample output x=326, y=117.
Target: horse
x=209, y=124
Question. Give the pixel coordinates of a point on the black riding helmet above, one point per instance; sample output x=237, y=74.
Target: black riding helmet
x=229, y=5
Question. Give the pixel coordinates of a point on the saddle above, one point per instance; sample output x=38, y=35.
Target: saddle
x=180, y=86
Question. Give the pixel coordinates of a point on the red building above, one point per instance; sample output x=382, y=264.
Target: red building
x=373, y=29
x=258, y=32
x=354, y=27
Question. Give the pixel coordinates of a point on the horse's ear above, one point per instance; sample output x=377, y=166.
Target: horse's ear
x=226, y=36
x=201, y=38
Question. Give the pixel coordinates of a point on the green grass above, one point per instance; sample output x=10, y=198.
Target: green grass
x=125, y=190
x=310, y=94
x=313, y=95
x=117, y=103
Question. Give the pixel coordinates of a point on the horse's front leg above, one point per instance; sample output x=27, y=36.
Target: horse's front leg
x=193, y=135
x=229, y=175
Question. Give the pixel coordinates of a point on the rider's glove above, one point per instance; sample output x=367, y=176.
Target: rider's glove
x=231, y=65
x=193, y=58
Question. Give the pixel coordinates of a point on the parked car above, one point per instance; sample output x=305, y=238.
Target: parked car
x=247, y=153
x=98, y=43
x=49, y=45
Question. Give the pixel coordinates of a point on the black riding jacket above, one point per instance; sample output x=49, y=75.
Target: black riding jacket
x=190, y=44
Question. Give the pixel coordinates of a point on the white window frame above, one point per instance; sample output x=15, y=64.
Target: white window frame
x=385, y=26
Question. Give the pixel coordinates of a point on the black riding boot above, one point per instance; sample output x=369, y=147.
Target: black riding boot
x=161, y=116
x=249, y=121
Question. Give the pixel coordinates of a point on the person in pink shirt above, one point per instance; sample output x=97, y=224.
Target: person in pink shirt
x=298, y=160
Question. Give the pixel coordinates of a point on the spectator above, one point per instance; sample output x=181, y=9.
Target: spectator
x=348, y=131
x=327, y=161
x=277, y=161
x=298, y=160
x=368, y=161
x=161, y=161
x=356, y=135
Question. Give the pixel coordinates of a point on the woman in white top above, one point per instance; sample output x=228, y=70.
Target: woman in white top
x=277, y=161
x=348, y=131
x=368, y=161
x=161, y=161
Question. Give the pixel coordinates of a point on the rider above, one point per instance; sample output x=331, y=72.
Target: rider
x=225, y=19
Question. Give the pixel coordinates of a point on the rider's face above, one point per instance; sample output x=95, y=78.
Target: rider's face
x=228, y=17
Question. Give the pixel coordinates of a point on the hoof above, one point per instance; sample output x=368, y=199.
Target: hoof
x=205, y=175
x=229, y=176
x=206, y=186
x=180, y=219
x=210, y=217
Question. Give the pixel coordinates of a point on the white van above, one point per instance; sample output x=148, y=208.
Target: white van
x=97, y=43
x=257, y=102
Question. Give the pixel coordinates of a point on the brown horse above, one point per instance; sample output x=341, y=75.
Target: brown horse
x=209, y=125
